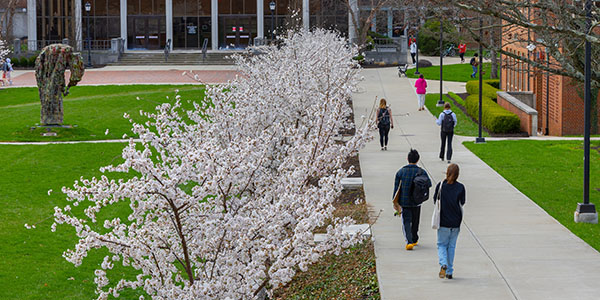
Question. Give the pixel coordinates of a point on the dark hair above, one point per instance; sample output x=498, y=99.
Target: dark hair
x=447, y=105
x=452, y=173
x=475, y=54
x=413, y=156
x=421, y=76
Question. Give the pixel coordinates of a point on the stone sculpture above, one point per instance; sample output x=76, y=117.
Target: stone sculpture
x=50, y=68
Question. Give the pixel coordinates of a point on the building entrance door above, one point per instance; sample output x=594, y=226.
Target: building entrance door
x=236, y=32
x=146, y=32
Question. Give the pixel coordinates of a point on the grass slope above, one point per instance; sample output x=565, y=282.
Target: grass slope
x=457, y=72
x=32, y=266
x=465, y=126
x=551, y=174
x=94, y=109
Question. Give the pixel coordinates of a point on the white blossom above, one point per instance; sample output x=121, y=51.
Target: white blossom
x=227, y=196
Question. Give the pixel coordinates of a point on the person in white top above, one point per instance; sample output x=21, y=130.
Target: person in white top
x=413, y=52
x=447, y=121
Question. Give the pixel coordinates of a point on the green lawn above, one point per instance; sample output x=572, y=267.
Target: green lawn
x=93, y=109
x=32, y=266
x=551, y=174
x=457, y=72
x=465, y=126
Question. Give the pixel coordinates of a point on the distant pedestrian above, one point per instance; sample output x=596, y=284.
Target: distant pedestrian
x=413, y=52
x=410, y=210
x=447, y=121
x=462, y=48
x=6, y=70
x=384, y=122
x=474, y=63
x=452, y=195
x=421, y=86
x=411, y=40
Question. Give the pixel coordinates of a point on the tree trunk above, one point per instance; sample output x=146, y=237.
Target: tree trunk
x=50, y=68
x=493, y=54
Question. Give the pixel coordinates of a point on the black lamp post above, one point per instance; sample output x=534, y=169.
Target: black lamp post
x=88, y=8
x=480, y=138
x=441, y=101
x=547, y=92
x=586, y=207
x=272, y=8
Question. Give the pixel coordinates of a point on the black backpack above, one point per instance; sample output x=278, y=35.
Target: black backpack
x=383, y=117
x=448, y=122
x=473, y=61
x=419, y=189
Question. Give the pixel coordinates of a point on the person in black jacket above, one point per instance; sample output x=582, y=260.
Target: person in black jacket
x=410, y=211
x=452, y=194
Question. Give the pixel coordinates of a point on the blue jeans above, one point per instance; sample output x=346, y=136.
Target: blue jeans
x=446, y=245
x=474, y=71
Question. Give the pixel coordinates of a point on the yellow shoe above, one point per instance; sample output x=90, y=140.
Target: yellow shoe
x=415, y=243
x=409, y=246
x=443, y=272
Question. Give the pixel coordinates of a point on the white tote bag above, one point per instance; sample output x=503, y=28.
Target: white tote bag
x=435, y=218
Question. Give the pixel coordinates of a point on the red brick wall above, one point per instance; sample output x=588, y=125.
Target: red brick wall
x=525, y=118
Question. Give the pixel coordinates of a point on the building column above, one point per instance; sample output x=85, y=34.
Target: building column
x=305, y=15
x=124, y=23
x=214, y=24
x=78, y=27
x=351, y=28
x=260, y=19
x=169, y=22
x=31, y=25
x=390, y=22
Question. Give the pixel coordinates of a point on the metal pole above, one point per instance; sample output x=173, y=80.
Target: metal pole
x=419, y=30
x=586, y=207
x=547, y=94
x=441, y=101
x=272, y=26
x=480, y=138
x=88, y=38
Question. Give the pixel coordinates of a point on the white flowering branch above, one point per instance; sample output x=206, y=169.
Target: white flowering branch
x=227, y=195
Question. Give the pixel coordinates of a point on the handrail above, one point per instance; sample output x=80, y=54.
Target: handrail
x=167, y=49
x=204, y=47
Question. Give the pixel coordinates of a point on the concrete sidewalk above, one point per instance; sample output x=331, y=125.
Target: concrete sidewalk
x=508, y=248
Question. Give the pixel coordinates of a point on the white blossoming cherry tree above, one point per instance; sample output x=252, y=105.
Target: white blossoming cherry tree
x=4, y=51
x=226, y=197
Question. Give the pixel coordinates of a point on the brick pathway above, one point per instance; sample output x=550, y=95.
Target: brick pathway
x=97, y=77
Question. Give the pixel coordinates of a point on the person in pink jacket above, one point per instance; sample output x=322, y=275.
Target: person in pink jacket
x=421, y=86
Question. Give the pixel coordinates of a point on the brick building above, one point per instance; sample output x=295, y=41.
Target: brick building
x=561, y=95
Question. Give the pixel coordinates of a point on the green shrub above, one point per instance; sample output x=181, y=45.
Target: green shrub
x=428, y=37
x=15, y=62
x=493, y=82
x=457, y=98
x=32, y=61
x=377, y=35
x=495, y=118
x=488, y=90
x=24, y=62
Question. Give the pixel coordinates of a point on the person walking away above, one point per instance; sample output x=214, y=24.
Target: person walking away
x=447, y=121
x=410, y=210
x=384, y=121
x=474, y=63
x=462, y=48
x=452, y=195
x=413, y=52
x=3, y=79
x=421, y=86
x=7, y=69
